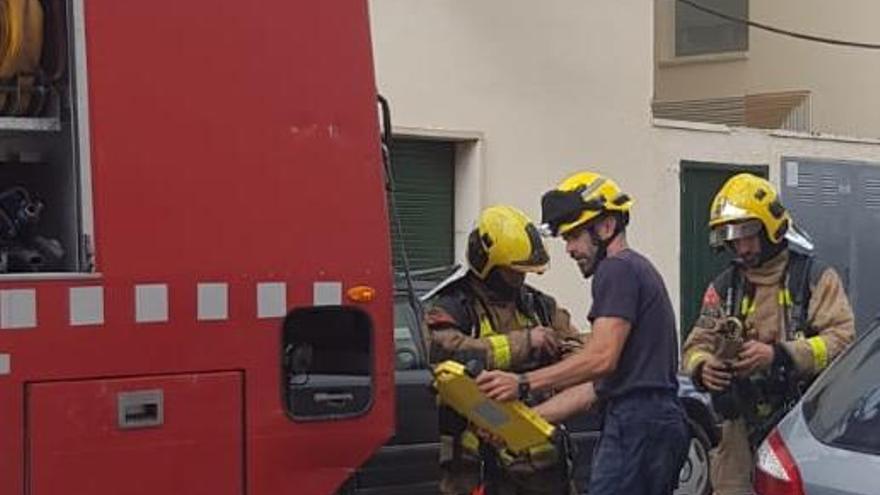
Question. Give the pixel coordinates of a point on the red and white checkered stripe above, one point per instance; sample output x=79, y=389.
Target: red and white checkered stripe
x=18, y=307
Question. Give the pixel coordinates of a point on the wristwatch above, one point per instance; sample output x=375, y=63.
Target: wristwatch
x=523, y=387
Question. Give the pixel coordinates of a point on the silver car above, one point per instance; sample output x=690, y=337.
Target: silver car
x=829, y=444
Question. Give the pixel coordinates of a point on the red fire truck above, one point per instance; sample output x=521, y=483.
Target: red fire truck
x=195, y=294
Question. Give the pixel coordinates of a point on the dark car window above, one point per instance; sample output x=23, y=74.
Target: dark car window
x=405, y=348
x=843, y=409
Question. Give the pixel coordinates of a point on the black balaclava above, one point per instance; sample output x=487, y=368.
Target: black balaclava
x=500, y=287
x=770, y=250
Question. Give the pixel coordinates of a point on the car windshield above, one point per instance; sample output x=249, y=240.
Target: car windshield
x=843, y=409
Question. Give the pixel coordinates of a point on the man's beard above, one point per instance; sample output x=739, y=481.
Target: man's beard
x=587, y=266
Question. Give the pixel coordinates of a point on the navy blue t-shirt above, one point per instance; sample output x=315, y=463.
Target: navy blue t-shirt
x=628, y=286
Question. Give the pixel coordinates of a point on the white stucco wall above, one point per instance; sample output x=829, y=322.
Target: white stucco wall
x=674, y=142
x=842, y=80
x=541, y=88
x=534, y=91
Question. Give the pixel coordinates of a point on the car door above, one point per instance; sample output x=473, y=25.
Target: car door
x=407, y=464
x=837, y=443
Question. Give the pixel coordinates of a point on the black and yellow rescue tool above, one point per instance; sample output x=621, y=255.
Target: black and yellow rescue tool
x=515, y=423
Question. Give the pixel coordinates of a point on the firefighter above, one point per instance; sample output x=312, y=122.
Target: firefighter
x=632, y=353
x=768, y=323
x=490, y=315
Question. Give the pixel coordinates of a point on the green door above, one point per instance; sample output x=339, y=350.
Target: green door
x=699, y=263
x=424, y=177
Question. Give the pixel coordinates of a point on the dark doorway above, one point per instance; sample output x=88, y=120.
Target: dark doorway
x=700, y=181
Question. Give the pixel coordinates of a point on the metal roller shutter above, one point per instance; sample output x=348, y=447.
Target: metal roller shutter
x=424, y=177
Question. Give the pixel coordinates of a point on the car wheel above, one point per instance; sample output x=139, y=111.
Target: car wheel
x=693, y=479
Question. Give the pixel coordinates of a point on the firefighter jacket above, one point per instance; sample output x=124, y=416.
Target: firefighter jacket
x=465, y=321
x=812, y=319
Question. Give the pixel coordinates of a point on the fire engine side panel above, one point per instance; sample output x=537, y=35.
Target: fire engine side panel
x=137, y=436
x=233, y=144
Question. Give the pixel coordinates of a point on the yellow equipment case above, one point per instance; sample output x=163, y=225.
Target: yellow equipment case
x=519, y=426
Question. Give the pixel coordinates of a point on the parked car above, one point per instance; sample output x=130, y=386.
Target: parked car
x=829, y=444
x=407, y=464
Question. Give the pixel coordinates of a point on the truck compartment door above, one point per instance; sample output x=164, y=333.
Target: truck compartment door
x=136, y=436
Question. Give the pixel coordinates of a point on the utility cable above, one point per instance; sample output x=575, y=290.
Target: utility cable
x=784, y=32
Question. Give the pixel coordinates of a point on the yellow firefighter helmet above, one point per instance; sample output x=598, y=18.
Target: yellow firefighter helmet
x=505, y=237
x=744, y=205
x=579, y=199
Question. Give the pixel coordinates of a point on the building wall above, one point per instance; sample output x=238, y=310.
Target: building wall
x=674, y=142
x=697, y=77
x=842, y=80
x=536, y=90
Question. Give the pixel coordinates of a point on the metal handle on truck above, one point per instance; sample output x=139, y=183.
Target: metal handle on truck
x=140, y=409
x=341, y=399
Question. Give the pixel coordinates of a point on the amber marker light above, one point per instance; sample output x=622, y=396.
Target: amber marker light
x=361, y=293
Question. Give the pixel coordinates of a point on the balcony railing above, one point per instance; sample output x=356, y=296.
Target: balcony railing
x=789, y=110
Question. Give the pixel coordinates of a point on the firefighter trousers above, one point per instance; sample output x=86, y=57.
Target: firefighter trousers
x=732, y=463
x=462, y=476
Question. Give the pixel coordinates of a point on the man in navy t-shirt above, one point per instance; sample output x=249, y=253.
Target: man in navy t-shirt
x=632, y=354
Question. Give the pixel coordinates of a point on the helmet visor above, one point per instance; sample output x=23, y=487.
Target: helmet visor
x=721, y=234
